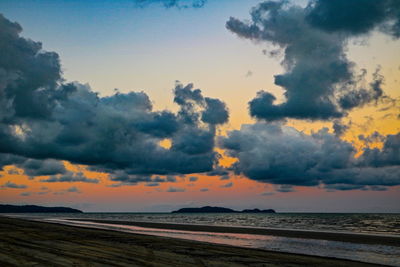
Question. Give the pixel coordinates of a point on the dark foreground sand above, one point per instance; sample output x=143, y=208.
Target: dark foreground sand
x=24, y=243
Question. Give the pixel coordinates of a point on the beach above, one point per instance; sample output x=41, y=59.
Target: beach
x=24, y=243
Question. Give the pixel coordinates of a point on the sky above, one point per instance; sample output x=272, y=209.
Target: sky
x=146, y=105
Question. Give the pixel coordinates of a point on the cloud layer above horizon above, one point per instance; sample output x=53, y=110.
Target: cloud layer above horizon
x=320, y=82
x=45, y=121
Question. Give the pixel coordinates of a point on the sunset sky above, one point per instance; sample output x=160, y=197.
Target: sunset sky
x=297, y=109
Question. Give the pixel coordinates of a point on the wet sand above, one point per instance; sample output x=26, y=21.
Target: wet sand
x=24, y=243
x=343, y=237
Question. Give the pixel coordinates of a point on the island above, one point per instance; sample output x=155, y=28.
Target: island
x=35, y=209
x=209, y=209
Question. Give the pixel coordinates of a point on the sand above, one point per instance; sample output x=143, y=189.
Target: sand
x=31, y=243
x=343, y=237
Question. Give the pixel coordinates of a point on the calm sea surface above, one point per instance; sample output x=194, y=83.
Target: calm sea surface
x=346, y=222
x=375, y=224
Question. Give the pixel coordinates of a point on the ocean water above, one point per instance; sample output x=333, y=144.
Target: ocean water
x=372, y=224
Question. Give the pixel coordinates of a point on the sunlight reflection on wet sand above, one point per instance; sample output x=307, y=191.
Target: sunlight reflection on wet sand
x=379, y=254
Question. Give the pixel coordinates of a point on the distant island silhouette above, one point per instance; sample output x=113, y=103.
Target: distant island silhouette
x=209, y=209
x=35, y=209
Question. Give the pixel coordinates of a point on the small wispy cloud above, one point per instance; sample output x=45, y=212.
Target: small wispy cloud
x=14, y=185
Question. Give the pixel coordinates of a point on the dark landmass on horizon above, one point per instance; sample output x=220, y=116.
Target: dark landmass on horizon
x=209, y=209
x=28, y=243
x=35, y=209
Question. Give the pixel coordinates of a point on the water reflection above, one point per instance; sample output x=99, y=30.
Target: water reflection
x=378, y=254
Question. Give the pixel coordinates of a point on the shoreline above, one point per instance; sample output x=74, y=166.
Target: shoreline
x=26, y=242
x=369, y=239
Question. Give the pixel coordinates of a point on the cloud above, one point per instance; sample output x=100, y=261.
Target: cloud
x=268, y=193
x=353, y=17
x=227, y=185
x=153, y=184
x=43, y=192
x=218, y=171
x=339, y=128
x=377, y=188
x=345, y=187
x=216, y=112
x=170, y=178
x=172, y=3
x=284, y=188
x=224, y=177
x=13, y=185
x=43, y=121
x=204, y=190
x=375, y=137
x=46, y=167
x=173, y=189
x=282, y=155
x=193, y=178
x=9, y=159
x=320, y=82
x=72, y=189
x=70, y=177
x=249, y=73
x=13, y=171
x=389, y=155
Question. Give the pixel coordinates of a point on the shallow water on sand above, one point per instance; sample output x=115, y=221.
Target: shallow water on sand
x=378, y=254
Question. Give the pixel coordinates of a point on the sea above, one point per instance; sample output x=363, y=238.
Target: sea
x=361, y=223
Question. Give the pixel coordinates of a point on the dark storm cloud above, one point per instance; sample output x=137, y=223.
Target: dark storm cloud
x=9, y=159
x=41, y=118
x=320, y=82
x=359, y=97
x=389, y=155
x=282, y=155
x=216, y=111
x=355, y=16
x=190, y=99
x=28, y=76
x=34, y=167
